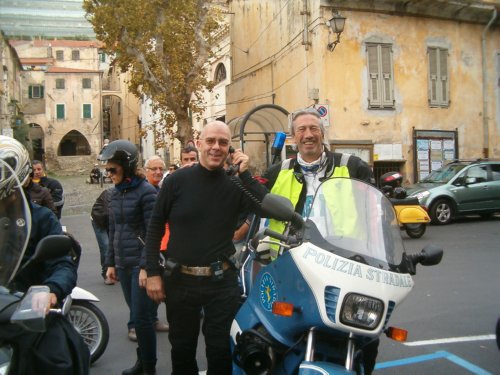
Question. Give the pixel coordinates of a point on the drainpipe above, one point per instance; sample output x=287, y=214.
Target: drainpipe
x=485, y=87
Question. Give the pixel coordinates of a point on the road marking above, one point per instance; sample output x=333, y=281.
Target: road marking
x=429, y=357
x=450, y=340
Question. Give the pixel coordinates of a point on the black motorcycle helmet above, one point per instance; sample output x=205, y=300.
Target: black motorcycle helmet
x=121, y=152
x=392, y=179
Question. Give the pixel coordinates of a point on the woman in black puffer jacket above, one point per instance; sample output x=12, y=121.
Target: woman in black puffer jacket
x=131, y=204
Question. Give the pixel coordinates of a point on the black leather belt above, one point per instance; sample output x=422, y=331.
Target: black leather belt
x=202, y=271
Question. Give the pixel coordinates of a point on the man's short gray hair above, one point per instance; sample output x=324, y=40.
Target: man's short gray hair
x=151, y=158
x=306, y=111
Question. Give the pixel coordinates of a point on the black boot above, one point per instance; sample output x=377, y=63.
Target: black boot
x=148, y=369
x=137, y=368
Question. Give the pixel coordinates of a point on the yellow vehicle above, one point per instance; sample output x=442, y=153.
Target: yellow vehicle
x=412, y=217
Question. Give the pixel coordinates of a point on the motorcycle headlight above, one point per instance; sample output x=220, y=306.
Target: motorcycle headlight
x=361, y=311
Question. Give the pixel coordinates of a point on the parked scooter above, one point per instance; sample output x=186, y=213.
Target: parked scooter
x=89, y=321
x=339, y=275
x=410, y=214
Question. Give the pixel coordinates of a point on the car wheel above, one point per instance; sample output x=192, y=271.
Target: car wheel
x=441, y=212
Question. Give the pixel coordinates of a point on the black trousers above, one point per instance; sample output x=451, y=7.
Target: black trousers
x=187, y=297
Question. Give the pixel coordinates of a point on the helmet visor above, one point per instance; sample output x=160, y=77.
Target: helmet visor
x=15, y=226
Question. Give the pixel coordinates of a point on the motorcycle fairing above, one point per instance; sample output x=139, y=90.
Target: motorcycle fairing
x=322, y=270
x=290, y=287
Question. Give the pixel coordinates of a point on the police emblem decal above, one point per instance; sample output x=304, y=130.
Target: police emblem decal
x=268, y=292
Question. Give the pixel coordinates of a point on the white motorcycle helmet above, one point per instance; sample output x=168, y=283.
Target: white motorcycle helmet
x=15, y=217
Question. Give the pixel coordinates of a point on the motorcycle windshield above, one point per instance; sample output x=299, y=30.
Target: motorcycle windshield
x=355, y=220
x=15, y=224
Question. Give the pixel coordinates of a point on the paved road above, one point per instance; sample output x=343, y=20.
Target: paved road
x=459, y=298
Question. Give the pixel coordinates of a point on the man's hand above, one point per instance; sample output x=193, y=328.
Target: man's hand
x=111, y=274
x=240, y=158
x=43, y=301
x=143, y=277
x=155, y=289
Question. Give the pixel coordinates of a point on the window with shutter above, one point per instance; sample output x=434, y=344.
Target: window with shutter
x=380, y=76
x=439, y=89
x=35, y=91
x=87, y=111
x=60, y=111
x=86, y=83
x=60, y=83
x=60, y=55
x=75, y=55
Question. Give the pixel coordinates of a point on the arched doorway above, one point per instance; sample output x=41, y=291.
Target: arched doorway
x=73, y=144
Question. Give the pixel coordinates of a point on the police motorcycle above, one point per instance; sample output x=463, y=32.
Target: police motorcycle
x=338, y=276
x=412, y=217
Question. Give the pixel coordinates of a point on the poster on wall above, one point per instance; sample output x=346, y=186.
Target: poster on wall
x=432, y=150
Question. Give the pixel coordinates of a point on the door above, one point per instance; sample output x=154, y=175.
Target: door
x=477, y=195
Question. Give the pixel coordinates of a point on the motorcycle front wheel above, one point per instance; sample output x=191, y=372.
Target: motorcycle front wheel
x=415, y=230
x=92, y=325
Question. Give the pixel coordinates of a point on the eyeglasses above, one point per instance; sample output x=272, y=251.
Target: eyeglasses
x=111, y=170
x=211, y=141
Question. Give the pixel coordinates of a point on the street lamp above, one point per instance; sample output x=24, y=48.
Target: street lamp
x=336, y=25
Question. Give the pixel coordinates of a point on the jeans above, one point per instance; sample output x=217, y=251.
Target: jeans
x=187, y=296
x=101, y=235
x=141, y=307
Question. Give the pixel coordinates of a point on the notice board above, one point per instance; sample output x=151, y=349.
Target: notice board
x=432, y=150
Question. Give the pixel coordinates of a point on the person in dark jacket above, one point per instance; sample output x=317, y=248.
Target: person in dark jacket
x=131, y=205
x=39, y=195
x=54, y=186
x=58, y=274
x=100, y=223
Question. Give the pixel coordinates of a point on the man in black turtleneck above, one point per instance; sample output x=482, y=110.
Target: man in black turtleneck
x=202, y=205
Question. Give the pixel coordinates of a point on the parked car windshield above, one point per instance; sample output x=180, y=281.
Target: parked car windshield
x=444, y=174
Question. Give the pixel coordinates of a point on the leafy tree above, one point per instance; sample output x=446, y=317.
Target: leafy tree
x=165, y=44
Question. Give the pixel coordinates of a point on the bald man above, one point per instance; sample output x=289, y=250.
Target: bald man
x=202, y=205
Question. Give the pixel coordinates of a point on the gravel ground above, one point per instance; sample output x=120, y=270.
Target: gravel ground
x=78, y=194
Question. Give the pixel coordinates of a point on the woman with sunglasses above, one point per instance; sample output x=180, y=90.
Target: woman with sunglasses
x=131, y=205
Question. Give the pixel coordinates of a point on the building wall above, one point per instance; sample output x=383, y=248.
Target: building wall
x=45, y=68
x=272, y=65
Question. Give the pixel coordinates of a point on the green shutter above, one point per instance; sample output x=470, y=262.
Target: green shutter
x=41, y=91
x=30, y=92
x=60, y=111
x=87, y=111
x=373, y=75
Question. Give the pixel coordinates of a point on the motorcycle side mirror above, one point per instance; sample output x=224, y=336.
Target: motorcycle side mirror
x=280, y=208
x=277, y=207
x=50, y=247
x=430, y=255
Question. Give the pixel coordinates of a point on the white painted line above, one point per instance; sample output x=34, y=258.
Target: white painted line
x=450, y=340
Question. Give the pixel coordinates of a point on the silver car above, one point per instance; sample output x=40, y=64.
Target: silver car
x=460, y=188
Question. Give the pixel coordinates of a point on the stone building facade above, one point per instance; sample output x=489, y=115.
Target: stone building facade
x=411, y=85
x=73, y=100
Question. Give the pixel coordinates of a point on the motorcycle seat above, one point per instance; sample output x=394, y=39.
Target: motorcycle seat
x=405, y=202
